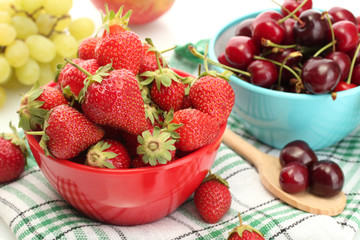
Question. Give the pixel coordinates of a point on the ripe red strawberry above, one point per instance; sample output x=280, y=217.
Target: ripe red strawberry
x=213, y=95
x=212, y=198
x=156, y=147
x=86, y=49
x=138, y=163
x=12, y=156
x=115, y=23
x=123, y=50
x=149, y=61
x=72, y=80
x=67, y=132
x=116, y=101
x=245, y=232
x=35, y=104
x=108, y=153
x=171, y=97
x=199, y=129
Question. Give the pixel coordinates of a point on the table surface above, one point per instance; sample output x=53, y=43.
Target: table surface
x=187, y=21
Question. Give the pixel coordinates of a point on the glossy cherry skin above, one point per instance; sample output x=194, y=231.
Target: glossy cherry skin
x=289, y=37
x=313, y=30
x=342, y=86
x=320, y=75
x=244, y=28
x=297, y=151
x=340, y=13
x=326, y=178
x=266, y=26
x=263, y=73
x=346, y=35
x=294, y=177
x=222, y=59
x=291, y=5
x=343, y=60
x=240, y=51
x=355, y=78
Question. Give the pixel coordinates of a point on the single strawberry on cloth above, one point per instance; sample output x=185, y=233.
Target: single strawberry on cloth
x=33, y=210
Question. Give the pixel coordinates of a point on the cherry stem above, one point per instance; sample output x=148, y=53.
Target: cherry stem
x=280, y=64
x=353, y=64
x=292, y=14
x=321, y=50
x=294, y=54
x=268, y=43
x=193, y=50
x=331, y=29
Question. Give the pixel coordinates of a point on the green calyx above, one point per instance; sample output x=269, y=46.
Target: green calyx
x=216, y=177
x=98, y=157
x=155, y=147
x=15, y=139
x=170, y=127
x=242, y=228
x=31, y=114
x=111, y=18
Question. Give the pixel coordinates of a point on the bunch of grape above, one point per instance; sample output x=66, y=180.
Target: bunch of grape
x=35, y=36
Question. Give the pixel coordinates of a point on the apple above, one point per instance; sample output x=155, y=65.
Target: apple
x=143, y=11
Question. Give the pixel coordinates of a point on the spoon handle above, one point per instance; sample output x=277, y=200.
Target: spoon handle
x=243, y=148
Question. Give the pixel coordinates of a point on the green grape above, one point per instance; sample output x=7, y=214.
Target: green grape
x=5, y=5
x=45, y=23
x=29, y=73
x=57, y=8
x=7, y=34
x=31, y=5
x=5, y=17
x=82, y=28
x=66, y=45
x=63, y=23
x=47, y=73
x=24, y=26
x=17, y=53
x=5, y=69
x=41, y=48
x=2, y=97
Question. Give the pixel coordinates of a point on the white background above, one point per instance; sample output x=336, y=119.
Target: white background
x=187, y=21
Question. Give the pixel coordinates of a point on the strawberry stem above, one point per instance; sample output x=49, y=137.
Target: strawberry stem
x=78, y=67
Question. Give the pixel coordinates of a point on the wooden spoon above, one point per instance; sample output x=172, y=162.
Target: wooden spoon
x=269, y=169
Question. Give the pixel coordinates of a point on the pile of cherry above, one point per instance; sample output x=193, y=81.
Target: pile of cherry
x=297, y=49
x=301, y=170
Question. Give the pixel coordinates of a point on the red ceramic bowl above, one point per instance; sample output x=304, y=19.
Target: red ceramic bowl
x=129, y=196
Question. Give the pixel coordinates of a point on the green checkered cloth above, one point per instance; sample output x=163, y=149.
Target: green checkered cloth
x=34, y=210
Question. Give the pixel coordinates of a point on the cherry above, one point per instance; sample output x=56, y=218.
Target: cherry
x=266, y=26
x=339, y=14
x=342, y=86
x=355, y=77
x=244, y=28
x=297, y=151
x=263, y=73
x=294, y=177
x=312, y=31
x=289, y=37
x=240, y=50
x=291, y=5
x=346, y=35
x=344, y=62
x=320, y=75
x=222, y=59
x=325, y=178
x=352, y=53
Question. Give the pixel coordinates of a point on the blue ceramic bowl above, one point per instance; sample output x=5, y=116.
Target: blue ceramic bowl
x=277, y=118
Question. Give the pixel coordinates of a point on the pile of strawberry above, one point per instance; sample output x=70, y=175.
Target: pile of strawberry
x=122, y=105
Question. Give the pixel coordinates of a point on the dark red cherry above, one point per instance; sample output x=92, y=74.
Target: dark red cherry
x=312, y=31
x=320, y=75
x=222, y=59
x=289, y=37
x=294, y=177
x=340, y=13
x=355, y=77
x=266, y=26
x=240, y=51
x=326, y=178
x=244, y=28
x=346, y=35
x=291, y=5
x=342, y=86
x=343, y=60
x=352, y=53
x=297, y=151
x=263, y=73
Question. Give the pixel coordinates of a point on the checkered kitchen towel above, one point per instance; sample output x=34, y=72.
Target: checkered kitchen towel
x=33, y=210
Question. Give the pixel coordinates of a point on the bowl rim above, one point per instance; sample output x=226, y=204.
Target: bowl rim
x=262, y=90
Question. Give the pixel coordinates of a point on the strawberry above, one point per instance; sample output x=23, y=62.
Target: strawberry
x=156, y=147
x=199, y=129
x=35, y=104
x=123, y=50
x=149, y=60
x=213, y=95
x=108, y=153
x=86, y=49
x=67, y=132
x=13, y=155
x=72, y=80
x=212, y=198
x=171, y=97
x=115, y=23
x=245, y=232
x=138, y=163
